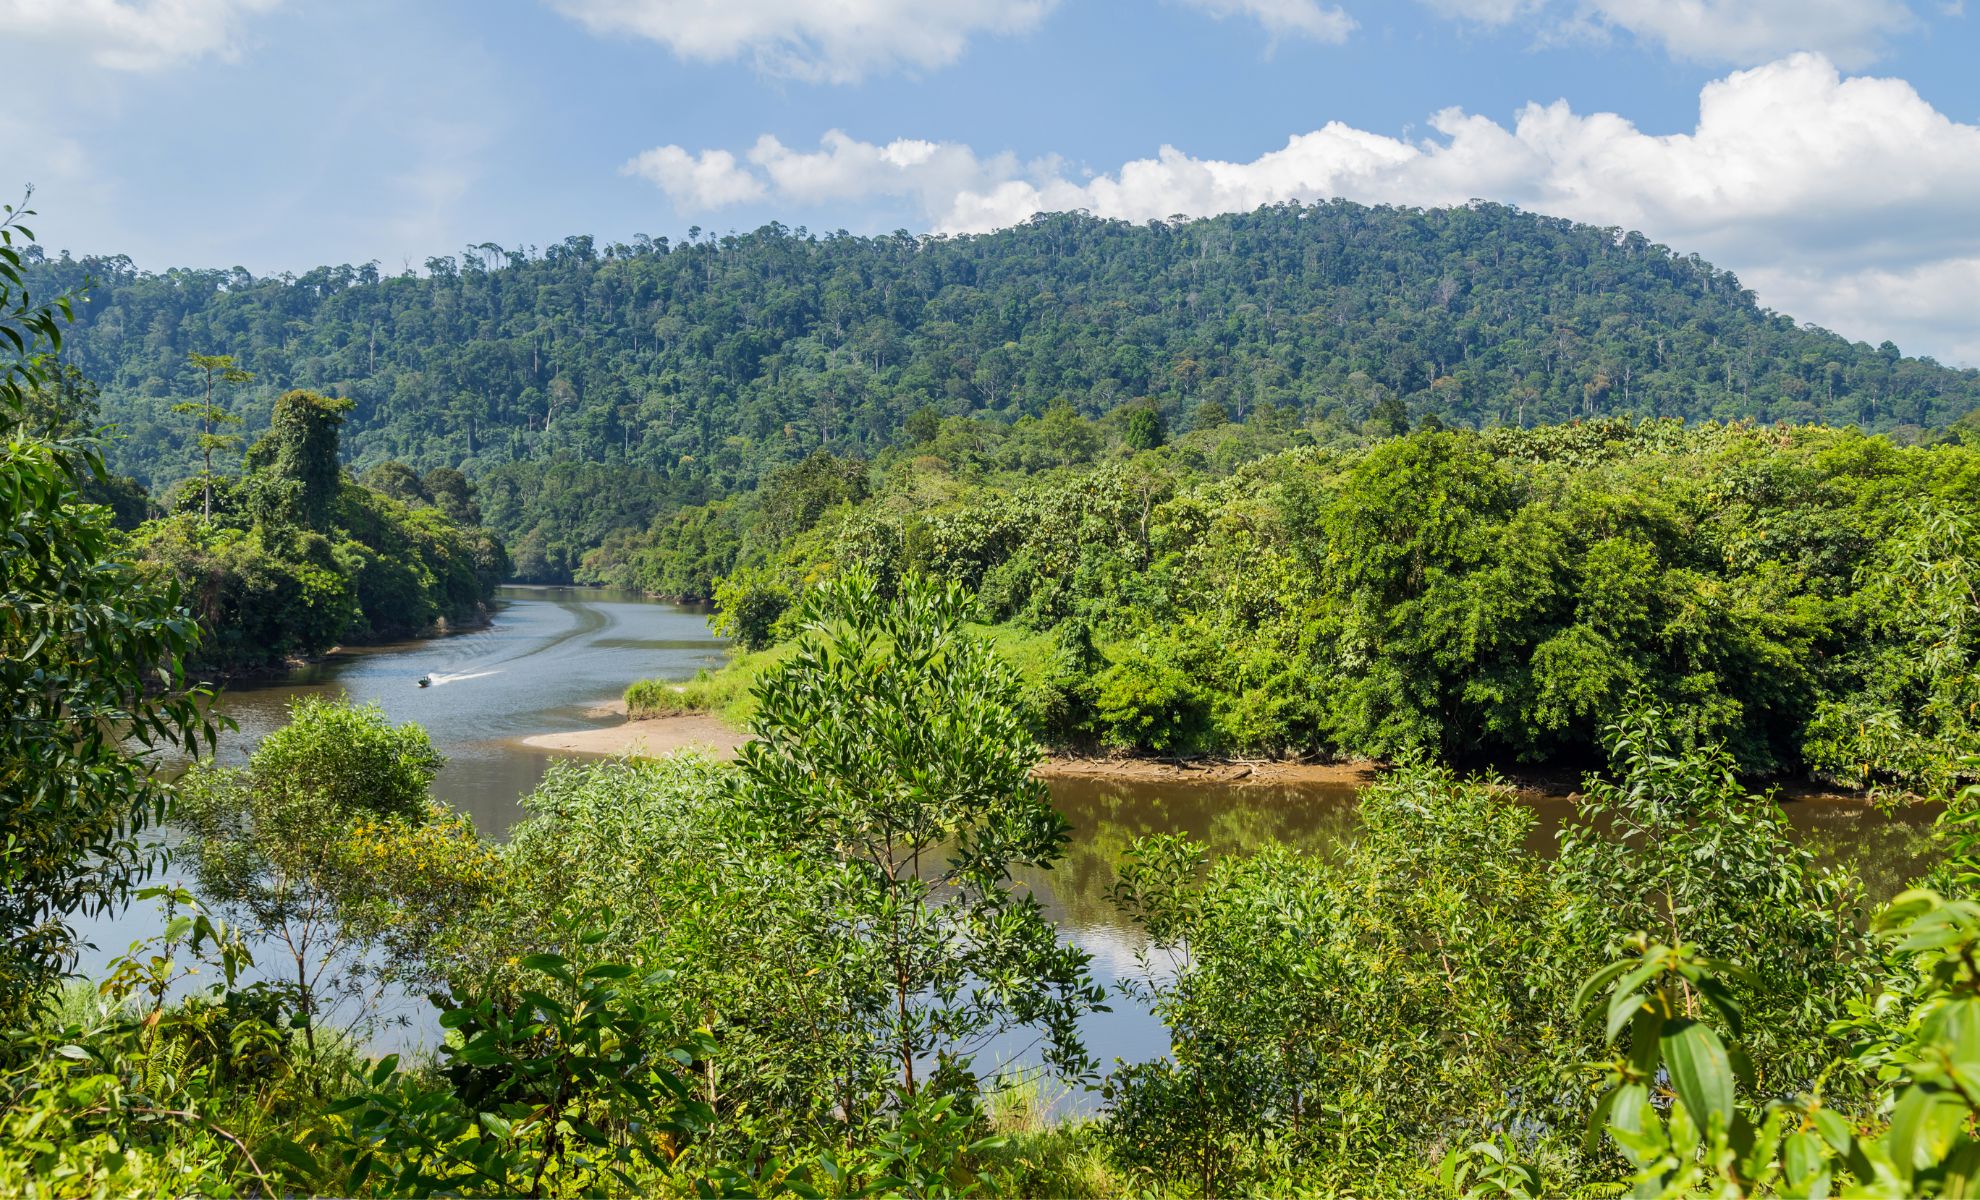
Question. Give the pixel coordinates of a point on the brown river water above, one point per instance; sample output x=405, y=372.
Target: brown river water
x=552, y=656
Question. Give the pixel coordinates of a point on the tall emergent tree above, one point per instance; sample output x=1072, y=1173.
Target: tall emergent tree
x=893, y=751
x=90, y=669
x=300, y=451
x=217, y=368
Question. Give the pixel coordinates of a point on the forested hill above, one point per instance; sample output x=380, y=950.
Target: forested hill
x=708, y=362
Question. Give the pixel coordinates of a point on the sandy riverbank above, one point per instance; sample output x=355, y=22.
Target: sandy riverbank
x=648, y=739
x=663, y=735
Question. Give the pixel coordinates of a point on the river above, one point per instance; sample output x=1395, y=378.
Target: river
x=545, y=664
x=553, y=656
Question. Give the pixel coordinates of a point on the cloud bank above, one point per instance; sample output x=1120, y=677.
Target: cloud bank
x=131, y=35
x=1739, y=32
x=1286, y=18
x=1843, y=200
x=845, y=41
x=818, y=41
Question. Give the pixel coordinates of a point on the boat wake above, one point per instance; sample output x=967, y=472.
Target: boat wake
x=437, y=680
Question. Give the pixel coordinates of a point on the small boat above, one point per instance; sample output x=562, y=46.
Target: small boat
x=425, y=681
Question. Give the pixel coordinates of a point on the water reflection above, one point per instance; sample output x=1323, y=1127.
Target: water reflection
x=552, y=655
x=544, y=665
x=1888, y=851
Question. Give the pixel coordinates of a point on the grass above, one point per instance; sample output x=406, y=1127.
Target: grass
x=1039, y=1154
x=725, y=693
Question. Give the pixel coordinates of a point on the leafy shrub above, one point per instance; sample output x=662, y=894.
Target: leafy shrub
x=748, y=605
x=142, y=1091
x=560, y=1085
x=1143, y=700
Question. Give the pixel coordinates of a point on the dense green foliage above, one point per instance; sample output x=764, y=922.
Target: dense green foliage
x=1805, y=594
x=293, y=557
x=279, y=844
x=660, y=986
x=91, y=653
x=680, y=977
x=1326, y=1014
x=827, y=972
x=892, y=746
x=592, y=388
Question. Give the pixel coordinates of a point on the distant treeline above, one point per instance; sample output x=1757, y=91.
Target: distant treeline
x=1806, y=594
x=592, y=388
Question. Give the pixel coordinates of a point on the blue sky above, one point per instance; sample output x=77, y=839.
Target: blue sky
x=1828, y=150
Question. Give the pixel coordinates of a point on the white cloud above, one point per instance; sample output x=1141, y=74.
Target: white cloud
x=1484, y=12
x=844, y=168
x=131, y=35
x=1844, y=200
x=697, y=182
x=1851, y=32
x=824, y=41
x=1927, y=308
x=1286, y=18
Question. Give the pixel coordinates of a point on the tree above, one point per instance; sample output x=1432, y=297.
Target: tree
x=452, y=494
x=220, y=368
x=892, y=748
x=748, y=605
x=1144, y=430
x=922, y=425
x=300, y=454
x=1913, y=721
x=65, y=405
x=91, y=671
x=1210, y=415
x=272, y=842
x=1391, y=416
x=397, y=480
x=1325, y=1007
x=1724, y=1133
x=1725, y=877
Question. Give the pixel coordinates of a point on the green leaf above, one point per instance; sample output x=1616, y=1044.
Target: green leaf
x=1715, y=993
x=1701, y=1071
x=1802, y=1159
x=555, y=965
x=1596, y=982
x=1962, y=1171
x=1623, y=1006
x=1924, y=1124
x=298, y=1159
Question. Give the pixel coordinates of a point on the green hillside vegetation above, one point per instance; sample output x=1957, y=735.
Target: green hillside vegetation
x=292, y=557
x=1804, y=594
x=778, y=976
x=589, y=388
